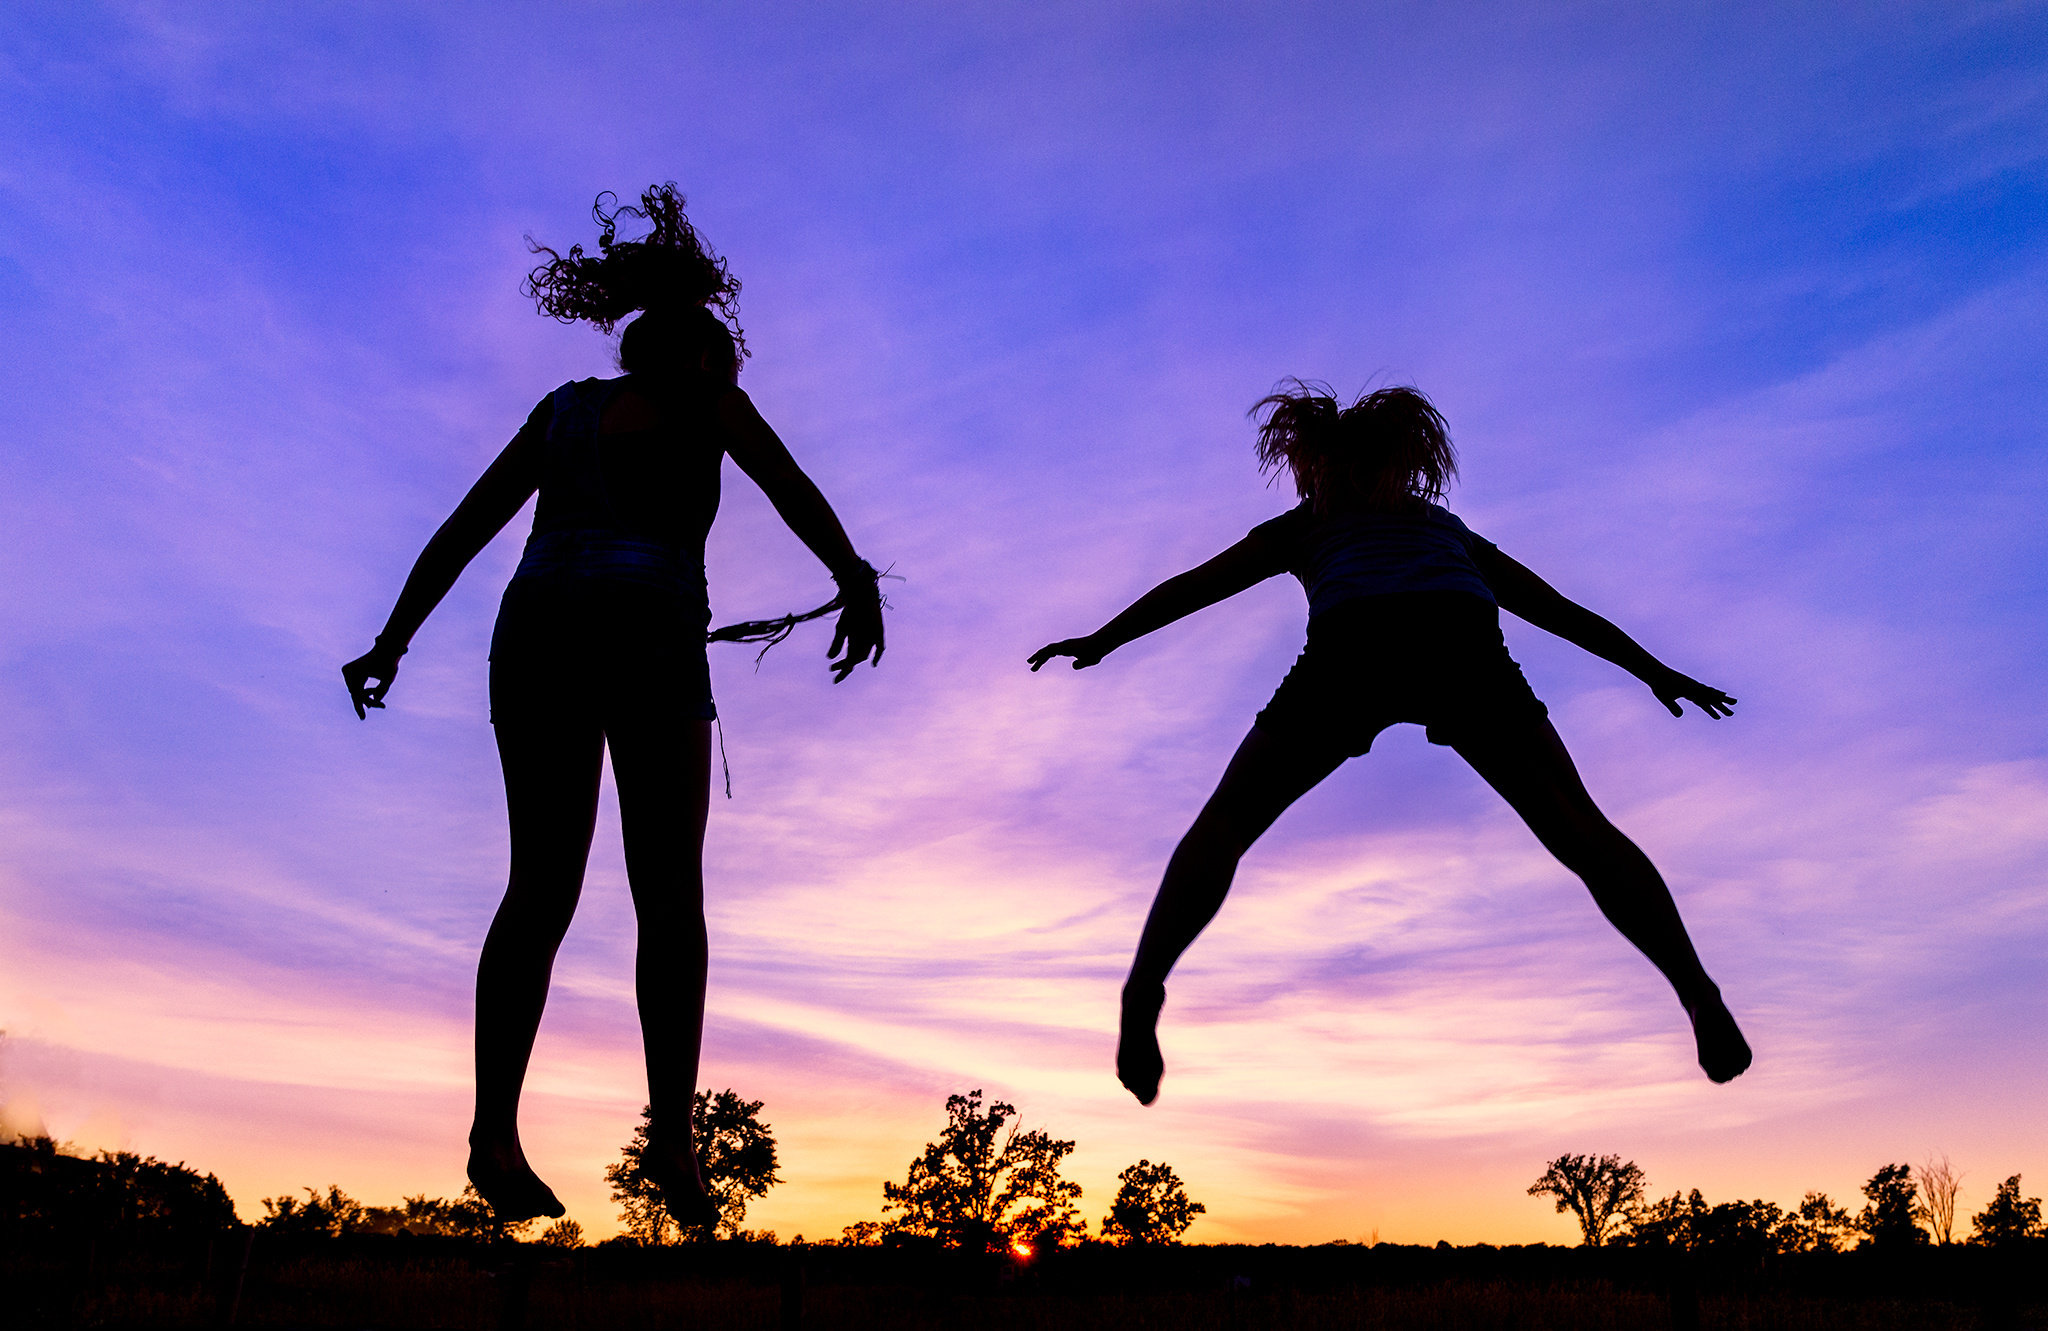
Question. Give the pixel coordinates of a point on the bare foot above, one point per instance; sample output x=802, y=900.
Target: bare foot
x=1139, y=1064
x=681, y=1180
x=1724, y=1054
x=505, y=1181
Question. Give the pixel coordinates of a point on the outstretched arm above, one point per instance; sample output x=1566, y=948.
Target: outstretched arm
x=491, y=503
x=753, y=444
x=1249, y=562
x=1523, y=593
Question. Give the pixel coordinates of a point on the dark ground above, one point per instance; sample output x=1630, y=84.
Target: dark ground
x=408, y=1282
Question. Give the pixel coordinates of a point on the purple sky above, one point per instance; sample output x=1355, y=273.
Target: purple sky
x=1738, y=317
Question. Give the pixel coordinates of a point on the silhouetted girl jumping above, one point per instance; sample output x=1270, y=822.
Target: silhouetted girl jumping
x=1404, y=625
x=600, y=642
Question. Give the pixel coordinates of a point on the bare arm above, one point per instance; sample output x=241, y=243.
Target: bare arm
x=757, y=450
x=1522, y=593
x=492, y=502
x=1249, y=562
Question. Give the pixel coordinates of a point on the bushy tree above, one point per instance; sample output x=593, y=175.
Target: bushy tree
x=147, y=1196
x=1892, y=1215
x=1598, y=1190
x=564, y=1233
x=332, y=1214
x=335, y=1213
x=1668, y=1222
x=2009, y=1218
x=469, y=1216
x=1151, y=1206
x=45, y=1189
x=416, y=1215
x=980, y=1186
x=735, y=1149
x=1741, y=1236
x=1818, y=1226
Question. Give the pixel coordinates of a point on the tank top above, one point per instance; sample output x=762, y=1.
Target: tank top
x=1341, y=557
x=627, y=507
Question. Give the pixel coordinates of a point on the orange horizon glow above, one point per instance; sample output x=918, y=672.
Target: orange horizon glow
x=1738, y=321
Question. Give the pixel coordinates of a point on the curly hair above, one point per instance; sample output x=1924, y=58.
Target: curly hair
x=1389, y=450
x=667, y=272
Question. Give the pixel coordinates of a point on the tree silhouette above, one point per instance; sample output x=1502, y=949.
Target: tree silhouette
x=333, y=1214
x=44, y=1188
x=1596, y=1189
x=2009, y=1218
x=736, y=1150
x=863, y=1234
x=467, y=1217
x=1151, y=1206
x=148, y=1196
x=1668, y=1222
x=1939, y=1183
x=415, y=1215
x=1742, y=1236
x=1892, y=1216
x=564, y=1233
x=978, y=1186
x=1818, y=1225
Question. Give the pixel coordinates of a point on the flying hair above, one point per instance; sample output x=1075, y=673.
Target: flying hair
x=1388, y=452
x=668, y=272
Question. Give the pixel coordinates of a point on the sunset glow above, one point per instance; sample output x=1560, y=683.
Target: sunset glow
x=1739, y=319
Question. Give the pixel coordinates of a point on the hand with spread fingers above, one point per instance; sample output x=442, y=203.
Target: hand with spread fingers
x=859, y=630
x=1671, y=687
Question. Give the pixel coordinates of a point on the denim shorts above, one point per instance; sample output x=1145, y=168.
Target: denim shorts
x=1434, y=659
x=603, y=651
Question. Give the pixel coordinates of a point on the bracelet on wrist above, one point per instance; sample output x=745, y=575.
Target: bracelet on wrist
x=383, y=646
x=862, y=572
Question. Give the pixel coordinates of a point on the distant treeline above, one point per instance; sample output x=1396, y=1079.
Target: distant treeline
x=122, y=1239
x=1903, y=1207
x=960, y=1195
x=46, y=1192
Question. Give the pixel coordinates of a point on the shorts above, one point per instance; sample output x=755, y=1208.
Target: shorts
x=612, y=653
x=1434, y=659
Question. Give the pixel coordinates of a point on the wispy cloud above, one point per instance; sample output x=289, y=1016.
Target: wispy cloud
x=1013, y=281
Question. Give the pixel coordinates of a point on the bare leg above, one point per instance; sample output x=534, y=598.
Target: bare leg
x=551, y=778
x=664, y=779
x=1265, y=775
x=1533, y=771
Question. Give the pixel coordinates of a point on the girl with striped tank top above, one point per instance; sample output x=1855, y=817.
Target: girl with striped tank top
x=1404, y=626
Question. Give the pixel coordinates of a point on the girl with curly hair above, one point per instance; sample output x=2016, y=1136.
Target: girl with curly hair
x=600, y=644
x=1404, y=626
